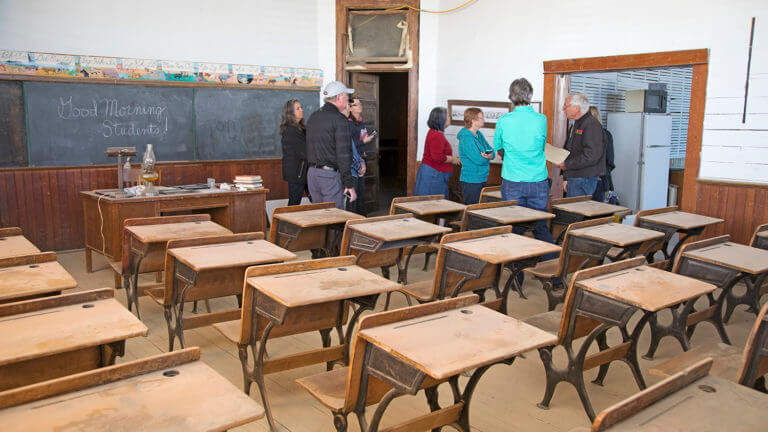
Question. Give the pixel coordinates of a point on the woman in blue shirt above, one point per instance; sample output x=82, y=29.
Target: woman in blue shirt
x=475, y=154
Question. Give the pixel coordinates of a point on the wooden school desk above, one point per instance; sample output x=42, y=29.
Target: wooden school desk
x=150, y=240
x=595, y=241
x=235, y=210
x=394, y=232
x=55, y=336
x=673, y=221
x=750, y=265
x=31, y=276
x=423, y=351
x=206, y=268
x=514, y=215
x=516, y=252
x=174, y=392
x=690, y=401
x=613, y=296
x=430, y=209
x=296, y=298
x=577, y=209
x=318, y=228
x=14, y=244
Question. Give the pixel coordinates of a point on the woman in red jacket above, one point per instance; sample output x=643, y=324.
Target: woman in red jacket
x=436, y=169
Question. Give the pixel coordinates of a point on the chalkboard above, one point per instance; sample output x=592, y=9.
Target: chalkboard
x=13, y=139
x=237, y=124
x=74, y=123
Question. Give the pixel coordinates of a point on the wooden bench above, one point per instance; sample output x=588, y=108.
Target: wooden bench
x=205, y=268
x=31, y=276
x=746, y=368
x=690, y=401
x=285, y=299
x=51, y=337
x=171, y=392
x=385, y=365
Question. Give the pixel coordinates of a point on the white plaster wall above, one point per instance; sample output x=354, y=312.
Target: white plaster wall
x=480, y=49
x=296, y=33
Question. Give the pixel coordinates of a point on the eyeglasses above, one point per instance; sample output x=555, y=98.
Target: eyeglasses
x=354, y=105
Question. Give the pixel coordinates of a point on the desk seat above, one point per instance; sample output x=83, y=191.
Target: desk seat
x=544, y=268
x=328, y=388
x=422, y=291
x=726, y=361
x=547, y=321
x=229, y=329
x=614, y=253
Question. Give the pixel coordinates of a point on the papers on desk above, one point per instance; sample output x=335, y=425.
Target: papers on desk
x=556, y=155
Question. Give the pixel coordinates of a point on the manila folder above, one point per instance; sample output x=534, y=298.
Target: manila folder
x=556, y=155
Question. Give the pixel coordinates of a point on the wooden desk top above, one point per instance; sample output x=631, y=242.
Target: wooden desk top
x=494, y=194
x=320, y=217
x=431, y=207
x=192, y=193
x=147, y=402
x=731, y=407
x=681, y=220
x=510, y=215
x=15, y=246
x=66, y=328
x=617, y=234
x=590, y=208
x=175, y=231
x=502, y=248
x=448, y=343
x=647, y=288
x=322, y=285
x=34, y=279
x=399, y=229
x=737, y=256
x=228, y=255
x=762, y=234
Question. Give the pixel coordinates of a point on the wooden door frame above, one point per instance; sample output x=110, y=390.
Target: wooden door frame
x=342, y=8
x=698, y=59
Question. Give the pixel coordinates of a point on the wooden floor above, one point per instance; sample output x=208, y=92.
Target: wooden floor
x=505, y=399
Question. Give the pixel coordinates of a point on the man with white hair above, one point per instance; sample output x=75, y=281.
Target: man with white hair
x=585, y=142
x=329, y=149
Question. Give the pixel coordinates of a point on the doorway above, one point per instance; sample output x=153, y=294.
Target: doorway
x=384, y=96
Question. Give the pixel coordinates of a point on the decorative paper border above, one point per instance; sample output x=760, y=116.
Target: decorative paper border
x=100, y=68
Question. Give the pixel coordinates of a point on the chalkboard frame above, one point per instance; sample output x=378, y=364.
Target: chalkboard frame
x=111, y=81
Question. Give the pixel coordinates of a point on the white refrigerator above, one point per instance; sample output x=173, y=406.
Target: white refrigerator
x=641, y=146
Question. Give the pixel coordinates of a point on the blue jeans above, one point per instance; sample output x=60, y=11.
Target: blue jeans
x=471, y=192
x=579, y=186
x=532, y=195
x=430, y=181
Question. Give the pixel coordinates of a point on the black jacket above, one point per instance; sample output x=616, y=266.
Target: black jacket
x=295, y=163
x=329, y=142
x=587, y=158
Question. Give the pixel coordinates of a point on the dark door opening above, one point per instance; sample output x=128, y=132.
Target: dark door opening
x=385, y=109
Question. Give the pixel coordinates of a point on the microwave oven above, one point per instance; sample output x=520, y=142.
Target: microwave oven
x=647, y=101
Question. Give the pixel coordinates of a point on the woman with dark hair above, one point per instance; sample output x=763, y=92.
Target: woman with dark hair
x=435, y=169
x=360, y=138
x=294, y=141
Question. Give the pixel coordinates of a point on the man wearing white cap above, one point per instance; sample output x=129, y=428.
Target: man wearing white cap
x=329, y=149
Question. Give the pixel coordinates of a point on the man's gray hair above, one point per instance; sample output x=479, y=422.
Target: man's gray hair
x=330, y=99
x=520, y=92
x=580, y=100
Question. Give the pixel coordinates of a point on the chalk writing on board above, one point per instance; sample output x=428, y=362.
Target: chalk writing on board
x=98, y=62
x=14, y=56
x=118, y=119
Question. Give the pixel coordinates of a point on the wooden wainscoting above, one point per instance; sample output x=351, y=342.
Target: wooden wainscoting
x=45, y=203
x=742, y=207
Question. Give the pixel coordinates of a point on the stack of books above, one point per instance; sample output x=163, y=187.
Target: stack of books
x=248, y=182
